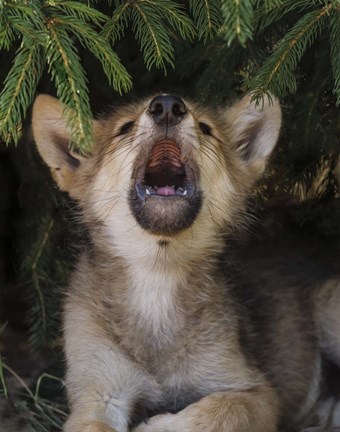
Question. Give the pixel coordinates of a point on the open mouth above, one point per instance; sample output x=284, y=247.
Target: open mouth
x=165, y=198
x=165, y=173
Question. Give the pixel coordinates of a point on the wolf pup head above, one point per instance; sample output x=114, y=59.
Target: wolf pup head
x=164, y=165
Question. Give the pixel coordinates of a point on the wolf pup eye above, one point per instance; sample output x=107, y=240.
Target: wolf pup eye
x=205, y=128
x=126, y=128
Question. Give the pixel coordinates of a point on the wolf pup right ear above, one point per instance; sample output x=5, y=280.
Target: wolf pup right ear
x=254, y=130
x=52, y=136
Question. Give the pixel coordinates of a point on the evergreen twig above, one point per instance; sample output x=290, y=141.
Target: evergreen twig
x=207, y=16
x=238, y=20
x=19, y=89
x=114, y=28
x=71, y=83
x=277, y=73
x=268, y=13
x=152, y=36
x=335, y=51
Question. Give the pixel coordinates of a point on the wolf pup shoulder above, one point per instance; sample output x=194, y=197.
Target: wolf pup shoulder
x=155, y=338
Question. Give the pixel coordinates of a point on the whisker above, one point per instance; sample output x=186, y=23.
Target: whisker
x=212, y=202
x=212, y=218
x=109, y=212
x=216, y=162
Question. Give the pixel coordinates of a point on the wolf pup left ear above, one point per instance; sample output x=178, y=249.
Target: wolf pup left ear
x=52, y=136
x=254, y=130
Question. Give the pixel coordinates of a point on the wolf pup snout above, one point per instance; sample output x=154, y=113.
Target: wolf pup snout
x=166, y=194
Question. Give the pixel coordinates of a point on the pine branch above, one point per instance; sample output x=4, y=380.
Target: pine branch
x=238, y=20
x=114, y=28
x=175, y=16
x=207, y=16
x=152, y=36
x=271, y=12
x=78, y=18
x=81, y=11
x=26, y=21
x=99, y=47
x=46, y=24
x=19, y=89
x=7, y=34
x=71, y=84
x=150, y=22
x=270, y=4
x=277, y=73
x=335, y=50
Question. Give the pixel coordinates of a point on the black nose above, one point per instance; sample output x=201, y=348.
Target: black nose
x=167, y=110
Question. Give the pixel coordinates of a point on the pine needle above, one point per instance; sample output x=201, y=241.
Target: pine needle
x=71, y=83
x=19, y=89
x=271, y=12
x=238, y=20
x=152, y=36
x=79, y=10
x=207, y=16
x=114, y=28
x=277, y=73
x=99, y=47
x=335, y=51
x=174, y=15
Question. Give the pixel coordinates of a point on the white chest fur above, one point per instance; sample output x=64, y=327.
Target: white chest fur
x=153, y=300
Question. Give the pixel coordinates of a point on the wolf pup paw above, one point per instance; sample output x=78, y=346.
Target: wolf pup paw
x=95, y=426
x=98, y=427
x=162, y=423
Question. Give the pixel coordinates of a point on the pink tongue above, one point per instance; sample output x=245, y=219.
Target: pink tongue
x=166, y=190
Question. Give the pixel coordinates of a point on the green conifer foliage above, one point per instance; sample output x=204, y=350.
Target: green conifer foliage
x=45, y=31
x=48, y=34
x=277, y=73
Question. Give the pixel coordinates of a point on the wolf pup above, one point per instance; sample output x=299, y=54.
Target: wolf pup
x=155, y=338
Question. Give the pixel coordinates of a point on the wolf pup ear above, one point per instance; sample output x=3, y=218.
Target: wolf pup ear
x=254, y=130
x=52, y=136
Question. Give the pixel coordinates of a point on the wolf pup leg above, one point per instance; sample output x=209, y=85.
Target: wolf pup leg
x=103, y=383
x=255, y=411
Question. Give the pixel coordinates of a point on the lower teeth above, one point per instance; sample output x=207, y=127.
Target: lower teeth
x=181, y=191
x=153, y=191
